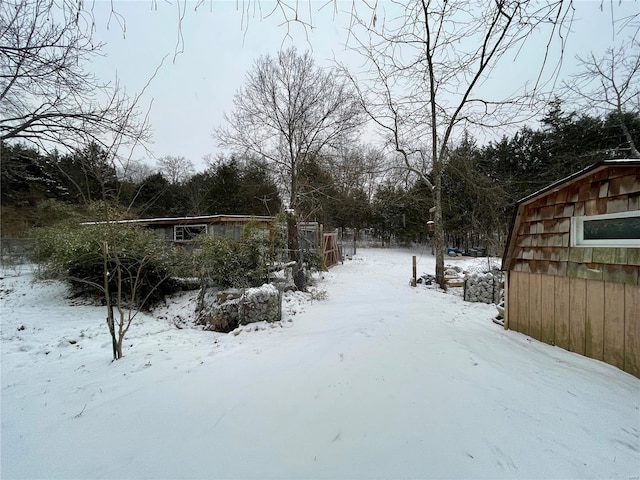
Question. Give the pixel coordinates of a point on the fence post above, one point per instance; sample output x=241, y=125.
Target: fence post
x=413, y=279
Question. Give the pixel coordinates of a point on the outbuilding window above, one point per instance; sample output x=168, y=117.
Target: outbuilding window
x=182, y=233
x=609, y=230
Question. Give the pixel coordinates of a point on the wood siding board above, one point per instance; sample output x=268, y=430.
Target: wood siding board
x=601, y=174
x=633, y=256
x=577, y=314
x=535, y=307
x=603, y=255
x=572, y=269
x=594, y=190
x=562, y=268
x=634, y=201
x=604, y=189
x=614, y=324
x=621, y=274
x=584, y=191
x=547, y=212
x=618, y=204
x=591, y=207
x=544, y=266
x=531, y=214
x=523, y=303
x=578, y=209
x=582, y=271
x=620, y=256
x=614, y=184
x=547, y=309
x=601, y=206
x=594, y=327
x=550, y=226
x=575, y=254
x=563, y=254
x=627, y=183
x=557, y=240
x=569, y=208
x=561, y=195
x=512, y=304
x=561, y=312
x=564, y=225
x=523, y=241
x=534, y=240
x=572, y=193
x=594, y=271
x=632, y=329
x=507, y=279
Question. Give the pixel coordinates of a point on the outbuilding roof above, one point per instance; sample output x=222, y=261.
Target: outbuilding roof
x=208, y=219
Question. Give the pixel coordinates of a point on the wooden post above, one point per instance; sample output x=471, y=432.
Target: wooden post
x=413, y=279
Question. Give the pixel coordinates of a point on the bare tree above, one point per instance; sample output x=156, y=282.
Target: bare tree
x=46, y=96
x=289, y=112
x=430, y=62
x=176, y=169
x=611, y=85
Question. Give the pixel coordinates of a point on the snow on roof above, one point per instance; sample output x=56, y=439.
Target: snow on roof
x=195, y=219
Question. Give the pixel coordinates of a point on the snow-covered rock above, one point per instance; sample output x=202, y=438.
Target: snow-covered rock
x=225, y=311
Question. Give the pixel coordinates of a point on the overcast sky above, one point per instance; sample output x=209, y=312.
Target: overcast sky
x=193, y=89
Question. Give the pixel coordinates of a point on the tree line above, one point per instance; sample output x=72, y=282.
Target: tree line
x=481, y=183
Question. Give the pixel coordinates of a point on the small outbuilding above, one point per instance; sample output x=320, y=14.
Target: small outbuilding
x=572, y=264
x=181, y=230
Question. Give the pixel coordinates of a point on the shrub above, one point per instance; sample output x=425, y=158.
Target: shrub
x=228, y=263
x=137, y=261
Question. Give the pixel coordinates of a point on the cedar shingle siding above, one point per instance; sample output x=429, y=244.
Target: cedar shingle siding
x=581, y=298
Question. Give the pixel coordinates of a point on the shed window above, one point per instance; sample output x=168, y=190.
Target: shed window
x=183, y=233
x=610, y=230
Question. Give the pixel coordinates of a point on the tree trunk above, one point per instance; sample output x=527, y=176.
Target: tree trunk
x=294, y=252
x=438, y=237
x=112, y=331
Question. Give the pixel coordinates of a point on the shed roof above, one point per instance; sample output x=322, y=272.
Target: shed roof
x=554, y=187
x=208, y=219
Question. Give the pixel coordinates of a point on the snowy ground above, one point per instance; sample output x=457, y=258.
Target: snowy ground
x=378, y=380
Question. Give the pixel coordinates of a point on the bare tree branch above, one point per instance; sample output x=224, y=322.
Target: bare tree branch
x=46, y=96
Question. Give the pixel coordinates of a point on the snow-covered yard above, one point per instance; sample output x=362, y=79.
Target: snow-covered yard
x=378, y=380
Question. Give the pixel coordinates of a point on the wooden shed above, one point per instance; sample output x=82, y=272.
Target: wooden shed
x=180, y=230
x=572, y=264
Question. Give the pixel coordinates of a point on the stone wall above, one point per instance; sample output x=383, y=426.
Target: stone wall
x=483, y=287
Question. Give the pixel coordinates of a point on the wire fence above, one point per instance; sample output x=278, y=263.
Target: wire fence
x=483, y=281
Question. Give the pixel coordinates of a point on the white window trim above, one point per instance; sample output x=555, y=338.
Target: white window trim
x=577, y=231
x=175, y=230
